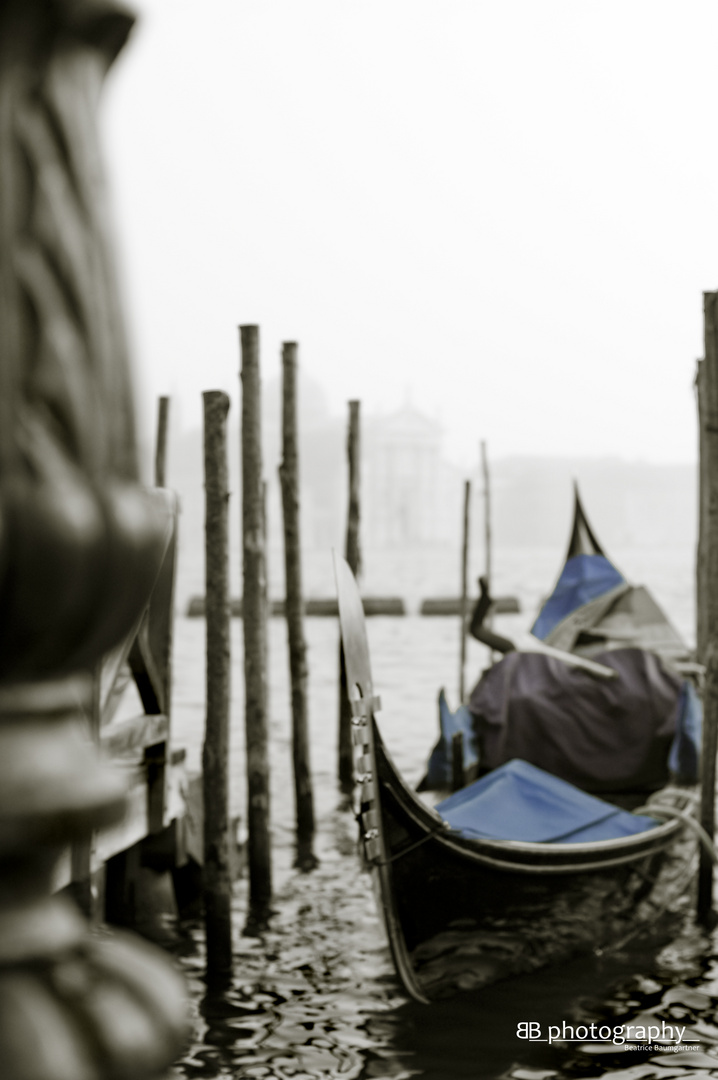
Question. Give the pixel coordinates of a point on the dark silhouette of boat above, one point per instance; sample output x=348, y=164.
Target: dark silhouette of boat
x=613, y=732
x=516, y=871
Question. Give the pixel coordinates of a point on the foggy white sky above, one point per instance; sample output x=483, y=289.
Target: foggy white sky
x=505, y=210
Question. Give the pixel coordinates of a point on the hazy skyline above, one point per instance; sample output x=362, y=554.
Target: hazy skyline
x=503, y=212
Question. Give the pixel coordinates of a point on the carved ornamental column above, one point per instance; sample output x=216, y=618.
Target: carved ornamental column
x=80, y=545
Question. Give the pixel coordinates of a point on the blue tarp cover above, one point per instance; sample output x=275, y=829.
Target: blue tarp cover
x=438, y=770
x=517, y=801
x=603, y=735
x=684, y=758
x=584, y=578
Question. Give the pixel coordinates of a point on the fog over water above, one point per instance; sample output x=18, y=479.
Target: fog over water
x=504, y=210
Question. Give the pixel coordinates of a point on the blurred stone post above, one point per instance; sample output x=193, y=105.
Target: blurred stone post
x=80, y=547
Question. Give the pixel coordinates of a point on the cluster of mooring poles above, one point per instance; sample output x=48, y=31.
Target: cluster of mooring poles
x=217, y=886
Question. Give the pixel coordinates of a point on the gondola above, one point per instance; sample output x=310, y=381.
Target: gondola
x=514, y=872
x=593, y=607
x=593, y=619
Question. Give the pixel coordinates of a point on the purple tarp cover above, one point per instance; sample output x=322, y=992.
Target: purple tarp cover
x=604, y=735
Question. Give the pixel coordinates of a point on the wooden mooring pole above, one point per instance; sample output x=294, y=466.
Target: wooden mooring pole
x=353, y=556
x=487, y=531
x=289, y=480
x=255, y=638
x=217, y=884
x=163, y=410
x=707, y=581
x=464, y=587
x=353, y=550
x=701, y=582
x=487, y=513
x=457, y=761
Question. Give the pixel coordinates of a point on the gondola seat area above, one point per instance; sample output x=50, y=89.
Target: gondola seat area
x=520, y=802
x=630, y=734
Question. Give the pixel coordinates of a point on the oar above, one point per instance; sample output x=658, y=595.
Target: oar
x=528, y=643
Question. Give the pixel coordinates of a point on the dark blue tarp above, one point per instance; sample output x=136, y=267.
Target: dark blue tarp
x=584, y=578
x=603, y=735
x=520, y=802
x=438, y=770
x=684, y=758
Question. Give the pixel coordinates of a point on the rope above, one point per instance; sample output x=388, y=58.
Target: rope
x=411, y=847
x=704, y=838
x=658, y=909
x=656, y=810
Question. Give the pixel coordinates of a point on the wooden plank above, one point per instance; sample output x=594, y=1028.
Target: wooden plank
x=135, y=825
x=325, y=607
x=451, y=605
x=136, y=733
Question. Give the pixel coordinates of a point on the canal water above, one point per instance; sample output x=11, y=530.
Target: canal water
x=316, y=996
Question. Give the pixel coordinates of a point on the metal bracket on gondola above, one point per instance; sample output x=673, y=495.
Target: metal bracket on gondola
x=366, y=785
x=362, y=764
x=359, y=735
x=372, y=846
x=362, y=708
x=370, y=822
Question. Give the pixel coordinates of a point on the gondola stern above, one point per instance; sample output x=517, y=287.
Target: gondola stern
x=583, y=540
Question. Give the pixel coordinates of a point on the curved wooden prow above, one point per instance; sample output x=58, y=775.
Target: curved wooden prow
x=366, y=779
x=583, y=539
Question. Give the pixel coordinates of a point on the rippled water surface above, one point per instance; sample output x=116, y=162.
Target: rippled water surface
x=316, y=996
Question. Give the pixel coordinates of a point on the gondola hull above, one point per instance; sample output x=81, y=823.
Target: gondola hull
x=472, y=912
x=462, y=913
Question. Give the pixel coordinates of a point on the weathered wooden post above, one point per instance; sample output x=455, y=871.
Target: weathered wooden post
x=708, y=585
x=217, y=884
x=464, y=587
x=708, y=779
x=353, y=548
x=259, y=858
x=163, y=409
x=487, y=512
x=353, y=556
x=294, y=604
x=80, y=547
x=487, y=531
x=457, y=761
x=703, y=488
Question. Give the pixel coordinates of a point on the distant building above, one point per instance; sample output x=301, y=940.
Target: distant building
x=410, y=494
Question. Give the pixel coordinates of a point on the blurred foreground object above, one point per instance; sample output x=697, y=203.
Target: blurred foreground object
x=80, y=546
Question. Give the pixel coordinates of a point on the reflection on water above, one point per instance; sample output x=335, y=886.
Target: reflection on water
x=316, y=997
